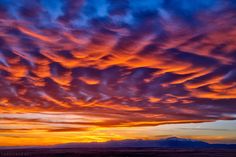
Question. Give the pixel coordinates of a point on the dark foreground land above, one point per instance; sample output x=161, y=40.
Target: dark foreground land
x=118, y=152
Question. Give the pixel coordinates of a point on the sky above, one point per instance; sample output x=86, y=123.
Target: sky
x=100, y=70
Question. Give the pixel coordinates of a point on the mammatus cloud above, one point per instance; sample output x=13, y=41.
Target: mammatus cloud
x=116, y=64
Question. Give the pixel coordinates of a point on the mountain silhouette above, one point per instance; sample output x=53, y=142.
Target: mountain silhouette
x=171, y=142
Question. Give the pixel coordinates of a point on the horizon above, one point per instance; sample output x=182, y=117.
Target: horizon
x=75, y=71
x=80, y=144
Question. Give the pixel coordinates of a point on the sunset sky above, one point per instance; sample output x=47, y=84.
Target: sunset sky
x=100, y=70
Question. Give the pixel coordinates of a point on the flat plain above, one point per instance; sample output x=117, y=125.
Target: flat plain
x=118, y=152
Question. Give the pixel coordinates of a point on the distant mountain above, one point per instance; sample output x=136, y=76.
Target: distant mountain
x=172, y=142
x=181, y=143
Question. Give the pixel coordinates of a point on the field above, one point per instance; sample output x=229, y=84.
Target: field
x=118, y=152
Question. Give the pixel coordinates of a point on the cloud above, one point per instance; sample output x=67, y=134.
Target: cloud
x=134, y=63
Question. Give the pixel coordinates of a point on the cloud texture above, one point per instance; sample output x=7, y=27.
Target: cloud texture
x=77, y=65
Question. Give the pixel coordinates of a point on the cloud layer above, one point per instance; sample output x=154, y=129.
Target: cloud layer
x=104, y=63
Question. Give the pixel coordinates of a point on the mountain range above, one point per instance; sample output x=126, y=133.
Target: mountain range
x=171, y=142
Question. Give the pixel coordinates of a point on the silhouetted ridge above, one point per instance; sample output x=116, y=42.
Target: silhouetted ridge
x=171, y=142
